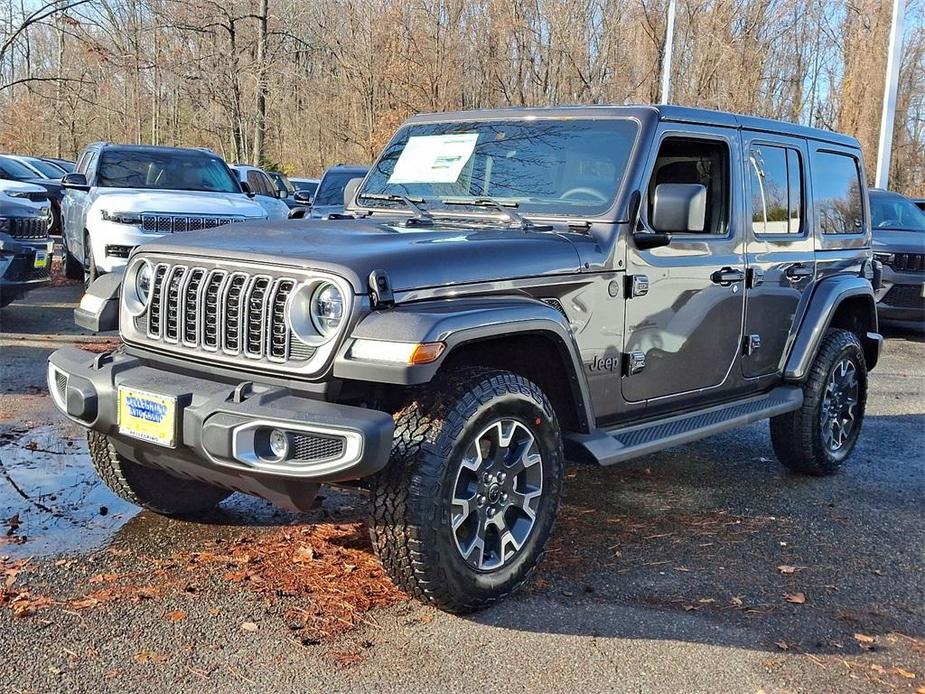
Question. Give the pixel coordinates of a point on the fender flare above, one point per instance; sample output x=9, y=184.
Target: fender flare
x=824, y=303
x=458, y=322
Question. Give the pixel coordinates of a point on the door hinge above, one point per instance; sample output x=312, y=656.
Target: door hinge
x=636, y=285
x=380, y=289
x=752, y=344
x=635, y=362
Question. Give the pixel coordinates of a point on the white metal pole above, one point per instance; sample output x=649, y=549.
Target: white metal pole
x=889, y=96
x=666, y=61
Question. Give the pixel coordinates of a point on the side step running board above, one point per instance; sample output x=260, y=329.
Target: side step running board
x=607, y=447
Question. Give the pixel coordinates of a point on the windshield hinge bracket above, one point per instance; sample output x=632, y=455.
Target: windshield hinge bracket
x=380, y=289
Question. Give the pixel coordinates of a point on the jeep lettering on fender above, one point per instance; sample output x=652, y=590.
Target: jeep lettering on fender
x=462, y=330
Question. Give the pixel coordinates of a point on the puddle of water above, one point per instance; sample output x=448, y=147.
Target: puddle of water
x=48, y=484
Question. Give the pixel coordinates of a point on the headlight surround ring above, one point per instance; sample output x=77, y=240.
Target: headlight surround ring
x=136, y=296
x=317, y=310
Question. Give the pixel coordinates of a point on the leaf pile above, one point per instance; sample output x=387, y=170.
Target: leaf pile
x=331, y=567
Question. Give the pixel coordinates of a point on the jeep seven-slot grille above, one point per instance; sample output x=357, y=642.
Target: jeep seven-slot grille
x=237, y=313
x=174, y=223
x=908, y=262
x=28, y=227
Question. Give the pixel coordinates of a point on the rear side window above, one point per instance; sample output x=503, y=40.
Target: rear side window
x=777, y=190
x=837, y=192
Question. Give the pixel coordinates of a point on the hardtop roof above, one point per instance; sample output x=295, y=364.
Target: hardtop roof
x=664, y=112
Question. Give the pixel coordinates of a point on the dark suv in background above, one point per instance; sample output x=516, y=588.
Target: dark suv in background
x=329, y=197
x=899, y=244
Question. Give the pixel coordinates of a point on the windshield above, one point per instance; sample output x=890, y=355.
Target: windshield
x=895, y=212
x=14, y=170
x=165, y=170
x=46, y=169
x=331, y=188
x=542, y=166
x=281, y=182
x=306, y=186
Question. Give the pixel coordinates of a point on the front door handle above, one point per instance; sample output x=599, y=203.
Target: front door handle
x=727, y=276
x=798, y=272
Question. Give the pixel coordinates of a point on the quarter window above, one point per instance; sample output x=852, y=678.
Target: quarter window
x=837, y=193
x=777, y=190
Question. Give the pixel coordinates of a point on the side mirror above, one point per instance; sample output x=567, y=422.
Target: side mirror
x=679, y=207
x=75, y=181
x=350, y=191
x=298, y=213
x=302, y=197
x=246, y=189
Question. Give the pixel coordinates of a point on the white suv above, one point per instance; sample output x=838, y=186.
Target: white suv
x=121, y=196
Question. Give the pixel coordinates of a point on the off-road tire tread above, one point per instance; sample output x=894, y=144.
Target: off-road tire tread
x=404, y=504
x=151, y=489
x=794, y=435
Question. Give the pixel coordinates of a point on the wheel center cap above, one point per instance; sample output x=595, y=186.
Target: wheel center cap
x=494, y=492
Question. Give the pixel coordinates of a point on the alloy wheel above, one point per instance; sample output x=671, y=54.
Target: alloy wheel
x=839, y=405
x=496, y=494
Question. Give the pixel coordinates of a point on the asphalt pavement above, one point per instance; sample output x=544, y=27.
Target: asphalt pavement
x=705, y=568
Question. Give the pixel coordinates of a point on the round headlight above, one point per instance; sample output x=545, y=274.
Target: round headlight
x=136, y=288
x=143, y=283
x=327, y=308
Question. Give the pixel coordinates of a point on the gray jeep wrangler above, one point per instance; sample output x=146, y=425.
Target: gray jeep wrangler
x=512, y=289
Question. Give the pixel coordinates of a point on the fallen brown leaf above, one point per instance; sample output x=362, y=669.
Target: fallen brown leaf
x=905, y=673
x=787, y=569
x=795, y=598
x=149, y=657
x=248, y=626
x=303, y=554
x=783, y=645
x=176, y=615
x=864, y=638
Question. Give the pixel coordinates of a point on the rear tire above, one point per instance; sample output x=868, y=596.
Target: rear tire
x=462, y=512
x=817, y=438
x=149, y=488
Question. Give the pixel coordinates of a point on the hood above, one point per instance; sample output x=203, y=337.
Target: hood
x=896, y=241
x=176, y=201
x=21, y=187
x=413, y=258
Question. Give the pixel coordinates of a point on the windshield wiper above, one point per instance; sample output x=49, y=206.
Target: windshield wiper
x=502, y=205
x=421, y=216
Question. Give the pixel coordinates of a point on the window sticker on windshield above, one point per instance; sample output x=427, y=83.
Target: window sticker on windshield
x=434, y=158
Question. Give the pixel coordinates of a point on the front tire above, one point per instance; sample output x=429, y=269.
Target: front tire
x=149, y=488
x=817, y=438
x=462, y=512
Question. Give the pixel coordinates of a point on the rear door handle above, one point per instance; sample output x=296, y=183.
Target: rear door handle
x=799, y=271
x=727, y=276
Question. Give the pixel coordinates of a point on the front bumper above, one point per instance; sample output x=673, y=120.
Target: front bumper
x=18, y=271
x=901, y=297
x=218, y=424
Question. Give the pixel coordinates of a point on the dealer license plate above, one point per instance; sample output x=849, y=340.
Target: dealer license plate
x=41, y=259
x=148, y=416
